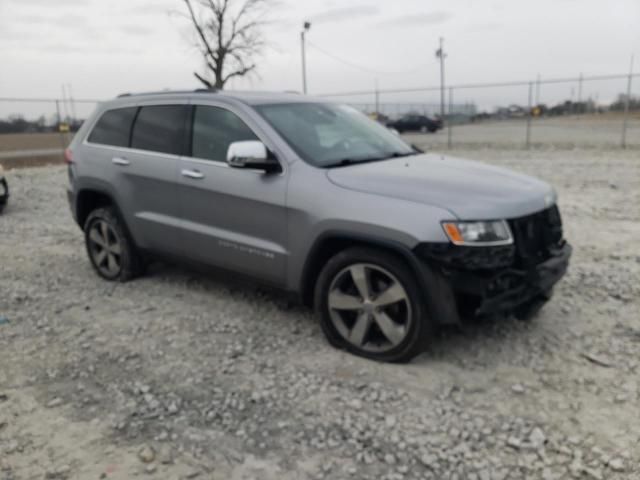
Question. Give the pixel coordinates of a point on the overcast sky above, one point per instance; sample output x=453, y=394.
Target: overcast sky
x=105, y=47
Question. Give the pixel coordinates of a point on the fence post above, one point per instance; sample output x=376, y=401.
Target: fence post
x=449, y=123
x=579, y=102
x=63, y=140
x=626, y=106
x=377, y=95
x=528, y=141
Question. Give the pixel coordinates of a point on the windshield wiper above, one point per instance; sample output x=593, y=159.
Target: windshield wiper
x=402, y=154
x=353, y=161
x=350, y=161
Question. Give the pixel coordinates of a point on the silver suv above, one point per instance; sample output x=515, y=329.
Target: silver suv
x=383, y=240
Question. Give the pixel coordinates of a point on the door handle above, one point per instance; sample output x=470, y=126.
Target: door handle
x=192, y=174
x=120, y=161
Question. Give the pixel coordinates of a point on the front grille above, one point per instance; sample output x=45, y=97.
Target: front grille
x=536, y=236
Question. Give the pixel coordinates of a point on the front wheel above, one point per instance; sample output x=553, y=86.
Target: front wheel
x=368, y=302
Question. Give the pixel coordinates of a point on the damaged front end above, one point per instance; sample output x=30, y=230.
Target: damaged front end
x=4, y=190
x=516, y=278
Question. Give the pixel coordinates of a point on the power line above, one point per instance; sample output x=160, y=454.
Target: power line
x=360, y=67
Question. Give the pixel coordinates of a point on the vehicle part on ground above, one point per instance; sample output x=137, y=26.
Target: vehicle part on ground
x=4, y=190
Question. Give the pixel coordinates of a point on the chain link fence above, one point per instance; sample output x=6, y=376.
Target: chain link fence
x=562, y=113
x=580, y=112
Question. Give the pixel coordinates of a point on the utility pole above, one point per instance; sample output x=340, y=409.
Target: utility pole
x=626, y=106
x=538, y=90
x=441, y=55
x=305, y=29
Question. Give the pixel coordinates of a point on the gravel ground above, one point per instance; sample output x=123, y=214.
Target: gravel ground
x=178, y=375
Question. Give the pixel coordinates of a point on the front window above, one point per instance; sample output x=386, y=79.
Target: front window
x=214, y=129
x=327, y=135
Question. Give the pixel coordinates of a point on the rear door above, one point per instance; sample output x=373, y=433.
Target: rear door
x=233, y=218
x=143, y=173
x=157, y=141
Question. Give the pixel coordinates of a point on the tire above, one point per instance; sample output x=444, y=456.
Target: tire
x=119, y=260
x=380, y=327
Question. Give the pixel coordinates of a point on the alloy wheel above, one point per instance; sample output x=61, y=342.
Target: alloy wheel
x=105, y=248
x=369, y=307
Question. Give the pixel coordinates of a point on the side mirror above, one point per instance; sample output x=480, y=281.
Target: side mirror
x=251, y=154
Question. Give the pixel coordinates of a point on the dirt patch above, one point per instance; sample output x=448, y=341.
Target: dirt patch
x=33, y=141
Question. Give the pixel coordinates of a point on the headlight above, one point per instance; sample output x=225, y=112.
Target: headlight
x=479, y=234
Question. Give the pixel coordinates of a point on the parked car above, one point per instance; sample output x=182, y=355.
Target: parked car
x=416, y=123
x=4, y=190
x=314, y=198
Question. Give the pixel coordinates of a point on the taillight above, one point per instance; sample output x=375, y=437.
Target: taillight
x=68, y=156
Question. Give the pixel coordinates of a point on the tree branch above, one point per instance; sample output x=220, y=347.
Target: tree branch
x=240, y=73
x=230, y=36
x=204, y=81
x=205, y=43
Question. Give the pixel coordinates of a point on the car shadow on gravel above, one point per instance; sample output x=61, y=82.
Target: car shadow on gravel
x=474, y=343
x=216, y=280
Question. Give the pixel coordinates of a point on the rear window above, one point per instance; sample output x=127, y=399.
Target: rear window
x=114, y=127
x=159, y=128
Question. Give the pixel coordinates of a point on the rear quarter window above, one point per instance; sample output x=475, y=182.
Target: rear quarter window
x=114, y=127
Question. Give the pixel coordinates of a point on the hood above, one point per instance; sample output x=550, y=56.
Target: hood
x=469, y=190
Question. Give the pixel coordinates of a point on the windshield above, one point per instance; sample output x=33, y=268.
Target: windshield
x=327, y=135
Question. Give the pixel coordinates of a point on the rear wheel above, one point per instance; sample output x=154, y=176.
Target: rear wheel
x=112, y=253
x=368, y=303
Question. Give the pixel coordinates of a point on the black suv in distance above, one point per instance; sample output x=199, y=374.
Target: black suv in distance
x=416, y=123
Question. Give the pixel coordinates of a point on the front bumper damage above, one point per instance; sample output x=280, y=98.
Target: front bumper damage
x=491, y=280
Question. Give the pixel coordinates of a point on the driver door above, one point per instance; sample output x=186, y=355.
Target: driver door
x=232, y=218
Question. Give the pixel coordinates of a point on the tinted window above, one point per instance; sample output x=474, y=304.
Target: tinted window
x=114, y=127
x=159, y=128
x=214, y=129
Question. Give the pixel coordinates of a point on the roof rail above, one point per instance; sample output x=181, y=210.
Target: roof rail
x=168, y=92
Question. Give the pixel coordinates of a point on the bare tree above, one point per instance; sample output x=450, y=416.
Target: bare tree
x=229, y=36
